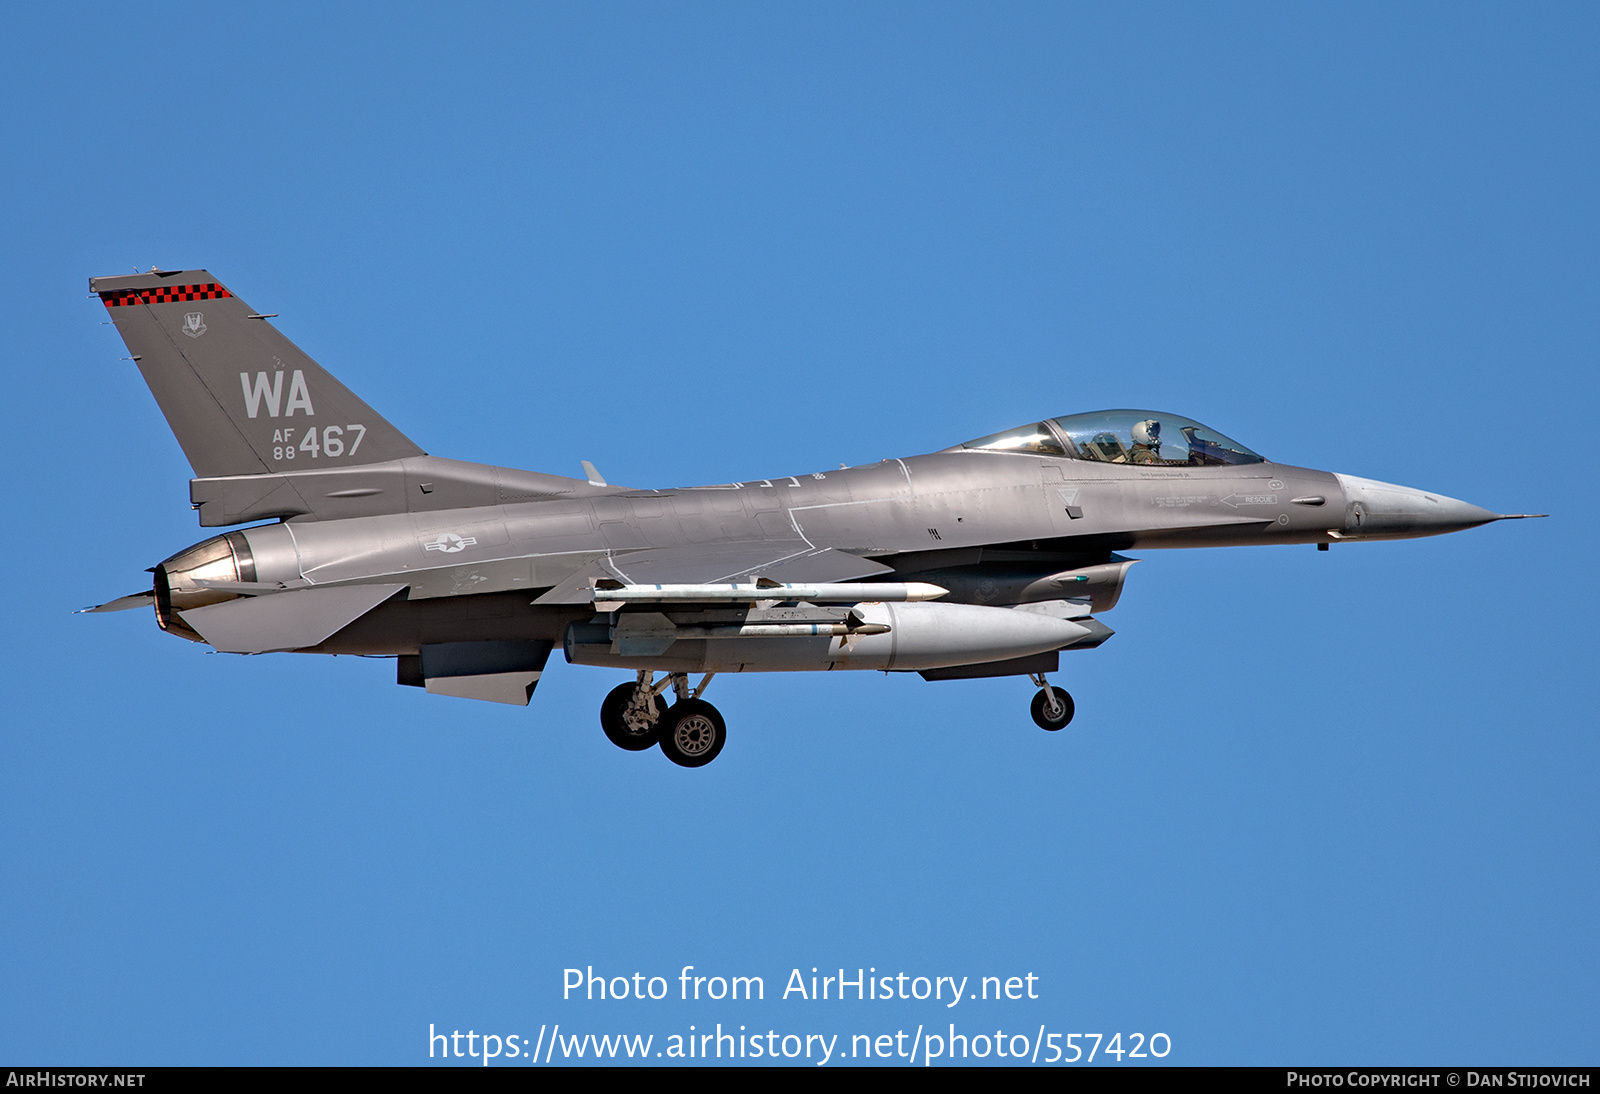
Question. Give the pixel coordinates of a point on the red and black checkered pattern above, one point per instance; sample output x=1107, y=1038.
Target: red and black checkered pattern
x=164, y=294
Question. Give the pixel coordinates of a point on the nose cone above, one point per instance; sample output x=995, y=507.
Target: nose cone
x=1382, y=509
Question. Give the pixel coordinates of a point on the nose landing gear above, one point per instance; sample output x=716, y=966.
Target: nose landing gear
x=691, y=731
x=1052, y=708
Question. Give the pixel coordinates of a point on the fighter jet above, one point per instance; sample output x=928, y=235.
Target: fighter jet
x=988, y=558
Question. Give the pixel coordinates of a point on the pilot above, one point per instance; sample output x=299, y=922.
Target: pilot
x=1146, y=442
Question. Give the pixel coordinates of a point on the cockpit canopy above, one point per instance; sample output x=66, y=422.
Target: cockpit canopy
x=1122, y=436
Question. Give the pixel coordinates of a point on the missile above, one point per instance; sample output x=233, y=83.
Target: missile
x=610, y=595
x=782, y=630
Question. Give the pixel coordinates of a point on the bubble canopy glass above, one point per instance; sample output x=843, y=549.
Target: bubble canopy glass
x=1145, y=437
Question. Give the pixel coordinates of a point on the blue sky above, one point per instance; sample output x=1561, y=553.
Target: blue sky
x=1315, y=808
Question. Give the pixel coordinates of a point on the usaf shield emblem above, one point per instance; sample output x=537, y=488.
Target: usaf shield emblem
x=194, y=324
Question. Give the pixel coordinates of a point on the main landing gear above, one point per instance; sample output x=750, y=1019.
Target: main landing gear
x=1052, y=708
x=691, y=731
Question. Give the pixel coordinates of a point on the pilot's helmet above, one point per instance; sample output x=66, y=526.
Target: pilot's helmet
x=1147, y=433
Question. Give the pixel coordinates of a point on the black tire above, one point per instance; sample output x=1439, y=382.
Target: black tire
x=1052, y=724
x=618, y=732
x=693, y=733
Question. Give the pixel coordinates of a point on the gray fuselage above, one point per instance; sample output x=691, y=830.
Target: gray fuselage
x=486, y=572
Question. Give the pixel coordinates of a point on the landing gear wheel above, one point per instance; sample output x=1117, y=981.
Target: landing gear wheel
x=692, y=733
x=626, y=728
x=1052, y=719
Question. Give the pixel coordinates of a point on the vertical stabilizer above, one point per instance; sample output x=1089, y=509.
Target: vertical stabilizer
x=240, y=397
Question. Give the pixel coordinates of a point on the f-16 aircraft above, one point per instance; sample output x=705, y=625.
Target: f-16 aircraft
x=988, y=558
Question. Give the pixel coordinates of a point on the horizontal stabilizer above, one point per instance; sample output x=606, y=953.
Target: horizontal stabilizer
x=123, y=603
x=294, y=620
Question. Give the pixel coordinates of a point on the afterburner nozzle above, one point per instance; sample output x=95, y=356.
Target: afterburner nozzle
x=181, y=581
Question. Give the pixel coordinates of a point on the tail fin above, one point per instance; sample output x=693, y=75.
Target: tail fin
x=241, y=398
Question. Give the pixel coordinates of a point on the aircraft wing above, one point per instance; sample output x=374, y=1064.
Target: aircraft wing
x=790, y=561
